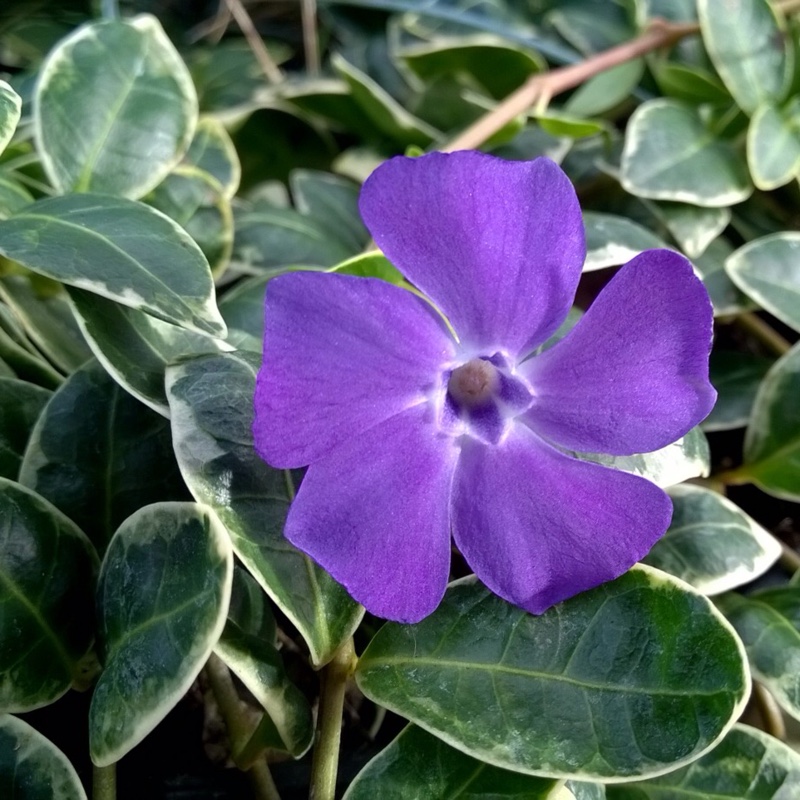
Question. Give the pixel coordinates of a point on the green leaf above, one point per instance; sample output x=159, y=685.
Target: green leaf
x=487, y=62
x=749, y=49
x=772, y=441
x=711, y=543
x=768, y=622
x=606, y=90
x=736, y=377
x=669, y=154
x=211, y=400
x=680, y=461
x=612, y=240
x=726, y=297
x=331, y=201
x=558, y=124
x=21, y=404
x=136, y=348
x=138, y=108
x=47, y=572
x=98, y=455
x=10, y=110
x=773, y=144
x=634, y=678
x=13, y=196
x=587, y=791
x=388, y=116
x=418, y=766
x=747, y=764
x=18, y=352
x=32, y=767
x=250, y=608
x=213, y=151
x=768, y=270
x=259, y=666
x=48, y=321
x=371, y=265
x=691, y=84
x=119, y=249
x=693, y=227
x=269, y=239
x=197, y=202
x=242, y=308
x=162, y=599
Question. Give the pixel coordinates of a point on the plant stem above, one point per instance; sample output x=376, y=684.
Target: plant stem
x=104, y=782
x=659, y=34
x=790, y=558
x=109, y=9
x=329, y=722
x=270, y=69
x=769, y=711
x=764, y=332
x=308, y=13
x=219, y=678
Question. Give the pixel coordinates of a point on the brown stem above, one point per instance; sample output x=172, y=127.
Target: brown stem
x=769, y=711
x=659, y=34
x=270, y=69
x=764, y=332
x=308, y=13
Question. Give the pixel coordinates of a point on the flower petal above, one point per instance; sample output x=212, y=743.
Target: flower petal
x=341, y=354
x=375, y=514
x=497, y=245
x=632, y=375
x=538, y=526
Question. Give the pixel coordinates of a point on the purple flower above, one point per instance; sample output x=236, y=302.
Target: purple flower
x=411, y=434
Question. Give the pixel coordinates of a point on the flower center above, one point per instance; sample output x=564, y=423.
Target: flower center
x=473, y=384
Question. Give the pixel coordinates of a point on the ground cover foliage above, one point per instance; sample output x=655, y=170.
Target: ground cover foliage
x=156, y=172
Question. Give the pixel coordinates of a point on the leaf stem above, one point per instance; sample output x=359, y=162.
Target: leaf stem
x=769, y=711
x=325, y=764
x=104, y=782
x=764, y=332
x=219, y=678
x=549, y=84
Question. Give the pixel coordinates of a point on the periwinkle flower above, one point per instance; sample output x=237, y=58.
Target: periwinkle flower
x=411, y=433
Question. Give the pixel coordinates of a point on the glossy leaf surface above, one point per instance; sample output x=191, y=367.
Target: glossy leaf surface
x=634, y=678
x=138, y=108
x=772, y=441
x=259, y=666
x=747, y=764
x=32, y=767
x=119, y=249
x=418, y=766
x=10, y=109
x=47, y=320
x=768, y=622
x=136, y=348
x=162, y=598
x=768, y=270
x=711, y=543
x=670, y=155
x=211, y=402
x=612, y=240
x=748, y=49
x=736, y=377
x=98, y=454
x=47, y=572
x=21, y=404
x=687, y=458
